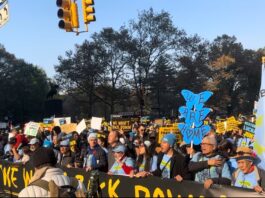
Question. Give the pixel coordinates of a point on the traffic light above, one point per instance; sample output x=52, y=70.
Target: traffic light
x=68, y=13
x=88, y=11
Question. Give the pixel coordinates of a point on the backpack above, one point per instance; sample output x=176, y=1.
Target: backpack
x=60, y=191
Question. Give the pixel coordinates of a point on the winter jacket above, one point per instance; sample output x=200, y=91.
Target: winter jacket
x=199, y=166
x=100, y=158
x=178, y=166
x=47, y=173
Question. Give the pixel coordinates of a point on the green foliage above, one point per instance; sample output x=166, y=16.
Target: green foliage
x=142, y=67
x=23, y=88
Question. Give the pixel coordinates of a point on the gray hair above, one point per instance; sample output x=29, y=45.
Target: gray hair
x=211, y=139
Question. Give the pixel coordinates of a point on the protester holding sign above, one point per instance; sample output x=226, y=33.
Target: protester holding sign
x=210, y=168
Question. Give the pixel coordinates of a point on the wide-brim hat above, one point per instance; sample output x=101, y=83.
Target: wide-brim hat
x=245, y=153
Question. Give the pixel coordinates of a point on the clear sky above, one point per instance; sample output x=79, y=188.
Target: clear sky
x=33, y=34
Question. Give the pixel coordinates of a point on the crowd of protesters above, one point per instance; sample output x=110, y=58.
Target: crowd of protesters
x=226, y=159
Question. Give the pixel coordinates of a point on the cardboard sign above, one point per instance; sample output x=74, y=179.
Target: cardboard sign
x=220, y=127
x=165, y=130
x=3, y=125
x=159, y=122
x=68, y=128
x=46, y=126
x=81, y=126
x=232, y=124
x=124, y=124
x=194, y=113
x=48, y=120
x=61, y=121
x=96, y=123
x=32, y=128
x=249, y=129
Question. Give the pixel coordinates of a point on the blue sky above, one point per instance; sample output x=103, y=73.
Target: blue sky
x=33, y=34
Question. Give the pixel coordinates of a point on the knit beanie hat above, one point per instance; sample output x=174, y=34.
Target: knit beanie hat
x=43, y=156
x=92, y=136
x=170, y=139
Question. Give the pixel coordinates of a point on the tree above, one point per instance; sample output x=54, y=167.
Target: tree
x=192, y=65
x=163, y=87
x=113, y=43
x=23, y=87
x=153, y=35
x=225, y=58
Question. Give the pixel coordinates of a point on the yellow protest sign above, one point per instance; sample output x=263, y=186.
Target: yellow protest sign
x=165, y=130
x=159, y=122
x=45, y=126
x=68, y=128
x=220, y=127
x=232, y=124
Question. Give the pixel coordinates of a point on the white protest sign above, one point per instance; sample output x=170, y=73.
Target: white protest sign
x=81, y=126
x=3, y=13
x=32, y=128
x=61, y=121
x=3, y=125
x=96, y=123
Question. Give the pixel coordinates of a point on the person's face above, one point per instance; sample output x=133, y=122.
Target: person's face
x=14, y=131
x=100, y=142
x=141, y=130
x=33, y=147
x=142, y=150
x=112, y=138
x=164, y=147
x=92, y=142
x=244, y=165
x=206, y=147
x=118, y=155
x=55, y=140
x=75, y=136
x=64, y=149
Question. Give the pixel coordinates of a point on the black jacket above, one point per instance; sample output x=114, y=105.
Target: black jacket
x=178, y=166
x=101, y=157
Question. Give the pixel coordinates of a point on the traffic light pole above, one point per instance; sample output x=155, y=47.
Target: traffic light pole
x=68, y=13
